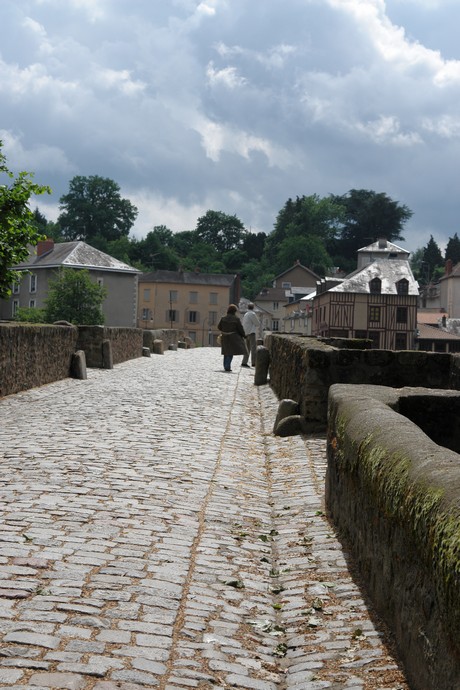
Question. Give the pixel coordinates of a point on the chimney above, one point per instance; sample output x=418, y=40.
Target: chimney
x=448, y=267
x=45, y=246
x=382, y=243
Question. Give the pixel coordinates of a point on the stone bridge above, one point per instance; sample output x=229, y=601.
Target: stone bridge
x=154, y=533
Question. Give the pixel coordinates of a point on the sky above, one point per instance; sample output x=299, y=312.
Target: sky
x=237, y=105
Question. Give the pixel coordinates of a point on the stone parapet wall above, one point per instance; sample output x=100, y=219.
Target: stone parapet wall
x=167, y=335
x=303, y=369
x=33, y=355
x=126, y=343
x=394, y=495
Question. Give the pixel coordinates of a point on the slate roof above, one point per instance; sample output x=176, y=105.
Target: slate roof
x=389, y=272
x=426, y=332
x=75, y=255
x=383, y=247
x=188, y=278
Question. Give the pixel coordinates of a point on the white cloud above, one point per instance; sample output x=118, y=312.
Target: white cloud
x=235, y=106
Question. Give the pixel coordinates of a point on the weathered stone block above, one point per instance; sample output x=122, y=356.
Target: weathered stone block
x=78, y=366
x=158, y=347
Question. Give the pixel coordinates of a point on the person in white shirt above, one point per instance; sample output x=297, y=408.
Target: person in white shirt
x=251, y=325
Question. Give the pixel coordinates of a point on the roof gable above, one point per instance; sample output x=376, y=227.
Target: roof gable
x=389, y=272
x=75, y=255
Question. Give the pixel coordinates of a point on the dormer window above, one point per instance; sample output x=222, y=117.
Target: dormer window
x=402, y=287
x=375, y=286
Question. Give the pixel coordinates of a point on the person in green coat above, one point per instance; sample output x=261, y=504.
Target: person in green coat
x=233, y=336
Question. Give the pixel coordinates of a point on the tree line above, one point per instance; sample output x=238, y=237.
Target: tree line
x=320, y=232
x=323, y=233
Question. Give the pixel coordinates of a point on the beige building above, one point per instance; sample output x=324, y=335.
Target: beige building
x=44, y=261
x=191, y=302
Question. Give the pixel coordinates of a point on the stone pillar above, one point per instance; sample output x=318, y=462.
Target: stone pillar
x=158, y=347
x=107, y=357
x=262, y=365
x=78, y=365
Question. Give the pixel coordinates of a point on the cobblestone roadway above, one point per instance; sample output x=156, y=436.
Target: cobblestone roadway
x=153, y=533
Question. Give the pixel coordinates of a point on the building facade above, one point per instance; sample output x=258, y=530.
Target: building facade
x=191, y=302
x=377, y=301
x=44, y=262
x=287, y=287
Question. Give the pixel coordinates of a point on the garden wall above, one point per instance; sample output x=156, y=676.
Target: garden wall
x=394, y=495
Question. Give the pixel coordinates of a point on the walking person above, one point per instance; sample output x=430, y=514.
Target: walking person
x=251, y=325
x=233, y=336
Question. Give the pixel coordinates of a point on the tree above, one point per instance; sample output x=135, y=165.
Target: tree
x=453, y=249
x=17, y=228
x=73, y=297
x=309, y=218
x=220, y=230
x=367, y=216
x=93, y=210
x=309, y=251
x=432, y=257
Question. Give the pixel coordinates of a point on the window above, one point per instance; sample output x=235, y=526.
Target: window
x=275, y=305
x=402, y=287
x=401, y=315
x=146, y=294
x=374, y=314
x=286, y=285
x=275, y=325
x=171, y=315
x=33, y=283
x=145, y=314
x=213, y=298
x=32, y=303
x=16, y=288
x=375, y=286
x=212, y=318
x=193, y=297
x=15, y=307
x=401, y=341
x=173, y=295
x=193, y=317
x=100, y=282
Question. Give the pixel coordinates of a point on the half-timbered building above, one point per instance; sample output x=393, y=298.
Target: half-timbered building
x=377, y=301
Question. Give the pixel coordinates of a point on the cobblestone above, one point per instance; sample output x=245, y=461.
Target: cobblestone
x=154, y=533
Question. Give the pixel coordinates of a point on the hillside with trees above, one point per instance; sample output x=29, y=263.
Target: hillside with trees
x=323, y=233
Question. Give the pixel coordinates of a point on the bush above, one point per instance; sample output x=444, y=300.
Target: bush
x=30, y=315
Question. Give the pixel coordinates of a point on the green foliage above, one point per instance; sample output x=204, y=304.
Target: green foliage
x=310, y=251
x=306, y=217
x=30, y=315
x=17, y=227
x=221, y=231
x=93, y=210
x=453, y=249
x=432, y=257
x=73, y=297
x=367, y=216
